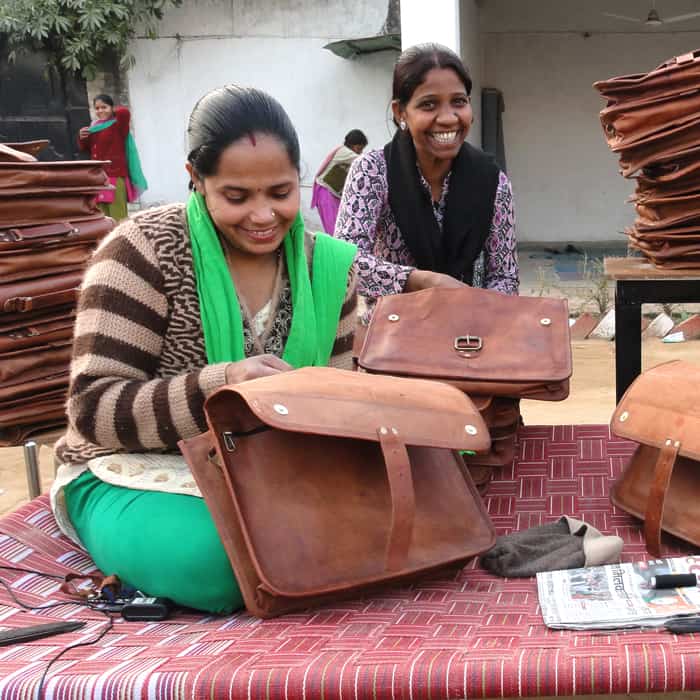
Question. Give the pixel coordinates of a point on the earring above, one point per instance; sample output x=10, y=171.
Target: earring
x=402, y=125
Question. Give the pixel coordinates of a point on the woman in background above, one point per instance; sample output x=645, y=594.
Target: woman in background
x=109, y=138
x=330, y=178
x=429, y=210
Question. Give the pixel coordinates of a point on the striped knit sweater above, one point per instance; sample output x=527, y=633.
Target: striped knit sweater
x=139, y=374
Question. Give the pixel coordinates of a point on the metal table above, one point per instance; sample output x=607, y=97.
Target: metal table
x=638, y=282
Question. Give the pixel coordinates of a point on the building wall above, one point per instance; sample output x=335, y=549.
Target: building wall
x=565, y=179
x=472, y=55
x=274, y=45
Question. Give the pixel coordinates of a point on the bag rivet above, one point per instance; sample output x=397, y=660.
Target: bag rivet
x=624, y=416
x=395, y=431
x=281, y=409
x=546, y=321
x=383, y=430
x=677, y=444
x=393, y=317
x=471, y=430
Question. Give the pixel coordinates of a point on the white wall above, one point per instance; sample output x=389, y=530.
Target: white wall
x=472, y=55
x=565, y=179
x=275, y=46
x=435, y=21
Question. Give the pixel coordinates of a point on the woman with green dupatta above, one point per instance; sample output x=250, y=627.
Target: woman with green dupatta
x=108, y=138
x=178, y=301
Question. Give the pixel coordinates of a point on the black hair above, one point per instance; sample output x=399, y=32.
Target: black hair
x=355, y=138
x=102, y=97
x=416, y=61
x=227, y=114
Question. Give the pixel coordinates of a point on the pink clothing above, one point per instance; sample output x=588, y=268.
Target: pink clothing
x=107, y=196
x=327, y=204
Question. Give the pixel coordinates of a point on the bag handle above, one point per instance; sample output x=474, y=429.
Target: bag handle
x=403, y=501
x=657, y=495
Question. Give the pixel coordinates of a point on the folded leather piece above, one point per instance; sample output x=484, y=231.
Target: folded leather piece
x=39, y=209
x=35, y=251
x=676, y=75
x=52, y=176
x=19, y=434
x=567, y=543
x=40, y=330
x=400, y=502
x=40, y=294
x=33, y=148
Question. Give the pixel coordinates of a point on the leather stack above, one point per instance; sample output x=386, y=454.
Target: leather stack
x=652, y=121
x=49, y=225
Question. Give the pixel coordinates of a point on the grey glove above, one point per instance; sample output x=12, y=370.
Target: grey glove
x=565, y=544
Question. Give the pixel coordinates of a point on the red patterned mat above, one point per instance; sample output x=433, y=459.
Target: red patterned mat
x=470, y=636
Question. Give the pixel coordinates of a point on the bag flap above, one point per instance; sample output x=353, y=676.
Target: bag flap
x=662, y=404
x=335, y=402
x=521, y=339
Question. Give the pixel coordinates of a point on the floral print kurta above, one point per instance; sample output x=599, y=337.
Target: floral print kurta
x=384, y=261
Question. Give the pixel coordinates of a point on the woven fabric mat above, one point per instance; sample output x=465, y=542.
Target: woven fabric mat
x=472, y=635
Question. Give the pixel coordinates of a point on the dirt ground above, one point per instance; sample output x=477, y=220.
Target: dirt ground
x=592, y=400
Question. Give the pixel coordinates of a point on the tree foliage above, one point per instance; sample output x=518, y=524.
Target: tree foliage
x=79, y=33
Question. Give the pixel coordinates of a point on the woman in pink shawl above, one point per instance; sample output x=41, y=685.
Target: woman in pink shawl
x=330, y=178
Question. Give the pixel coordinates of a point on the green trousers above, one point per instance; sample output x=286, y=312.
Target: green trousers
x=117, y=209
x=163, y=544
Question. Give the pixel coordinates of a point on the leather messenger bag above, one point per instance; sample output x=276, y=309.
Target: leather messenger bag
x=325, y=483
x=483, y=342
x=34, y=251
x=677, y=75
x=660, y=485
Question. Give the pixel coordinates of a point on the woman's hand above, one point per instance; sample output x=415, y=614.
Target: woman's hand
x=84, y=132
x=254, y=367
x=424, y=279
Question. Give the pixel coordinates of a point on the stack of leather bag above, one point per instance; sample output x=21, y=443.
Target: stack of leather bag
x=49, y=225
x=496, y=348
x=652, y=121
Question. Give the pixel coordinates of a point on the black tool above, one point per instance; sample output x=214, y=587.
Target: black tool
x=28, y=634
x=683, y=625
x=673, y=581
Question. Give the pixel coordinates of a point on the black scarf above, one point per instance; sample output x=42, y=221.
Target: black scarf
x=468, y=215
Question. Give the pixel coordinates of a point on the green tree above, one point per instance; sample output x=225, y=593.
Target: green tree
x=79, y=34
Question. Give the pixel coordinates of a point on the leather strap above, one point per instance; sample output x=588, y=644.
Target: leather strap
x=40, y=301
x=403, y=504
x=657, y=495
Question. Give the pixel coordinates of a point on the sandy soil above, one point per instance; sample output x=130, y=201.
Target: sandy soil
x=592, y=400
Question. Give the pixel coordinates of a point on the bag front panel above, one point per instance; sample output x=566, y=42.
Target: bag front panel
x=316, y=511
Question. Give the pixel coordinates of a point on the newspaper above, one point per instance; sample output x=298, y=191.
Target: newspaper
x=616, y=595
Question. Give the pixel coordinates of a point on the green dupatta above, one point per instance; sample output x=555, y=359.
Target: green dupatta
x=316, y=301
x=133, y=162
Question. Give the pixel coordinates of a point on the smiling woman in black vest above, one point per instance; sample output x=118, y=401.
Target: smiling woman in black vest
x=429, y=209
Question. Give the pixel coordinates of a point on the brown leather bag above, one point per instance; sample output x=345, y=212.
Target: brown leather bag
x=35, y=251
x=40, y=293
x=324, y=483
x=480, y=341
x=44, y=176
x=34, y=210
x=661, y=411
x=40, y=329
x=672, y=77
x=628, y=122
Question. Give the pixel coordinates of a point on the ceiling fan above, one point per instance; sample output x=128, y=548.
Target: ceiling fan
x=653, y=19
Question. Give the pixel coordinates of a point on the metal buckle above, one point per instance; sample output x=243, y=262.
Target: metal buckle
x=467, y=345
x=229, y=441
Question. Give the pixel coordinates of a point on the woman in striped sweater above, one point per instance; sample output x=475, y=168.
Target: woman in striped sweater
x=178, y=301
